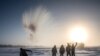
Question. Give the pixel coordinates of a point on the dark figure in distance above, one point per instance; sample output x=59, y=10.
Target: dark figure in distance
x=23, y=52
x=68, y=49
x=73, y=49
x=62, y=50
x=54, y=50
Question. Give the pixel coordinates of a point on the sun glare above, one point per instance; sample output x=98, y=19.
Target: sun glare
x=78, y=34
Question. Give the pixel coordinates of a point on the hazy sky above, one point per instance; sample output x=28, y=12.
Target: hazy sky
x=53, y=26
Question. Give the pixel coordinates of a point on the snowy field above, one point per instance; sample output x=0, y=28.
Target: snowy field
x=46, y=52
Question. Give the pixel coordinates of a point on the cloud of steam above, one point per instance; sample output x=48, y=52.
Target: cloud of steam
x=34, y=19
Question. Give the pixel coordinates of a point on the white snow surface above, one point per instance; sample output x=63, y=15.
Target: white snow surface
x=9, y=51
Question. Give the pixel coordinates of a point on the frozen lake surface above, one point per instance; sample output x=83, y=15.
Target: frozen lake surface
x=46, y=52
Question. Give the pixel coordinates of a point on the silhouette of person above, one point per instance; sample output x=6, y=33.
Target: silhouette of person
x=23, y=52
x=73, y=49
x=68, y=49
x=62, y=50
x=54, y=50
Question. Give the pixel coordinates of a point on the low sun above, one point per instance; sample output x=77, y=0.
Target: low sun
x=78, y=34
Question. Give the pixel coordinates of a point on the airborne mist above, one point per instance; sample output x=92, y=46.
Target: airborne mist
x=33, y=20
x=42, y=29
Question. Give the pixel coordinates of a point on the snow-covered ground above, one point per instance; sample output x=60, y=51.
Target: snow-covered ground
x=45, y=52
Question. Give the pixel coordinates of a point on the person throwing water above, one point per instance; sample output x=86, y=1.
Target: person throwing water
x=23, y=52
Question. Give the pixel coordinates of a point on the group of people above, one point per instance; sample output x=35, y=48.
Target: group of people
x=70, y=50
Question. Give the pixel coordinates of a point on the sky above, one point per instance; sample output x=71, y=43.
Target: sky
x=48, y=22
